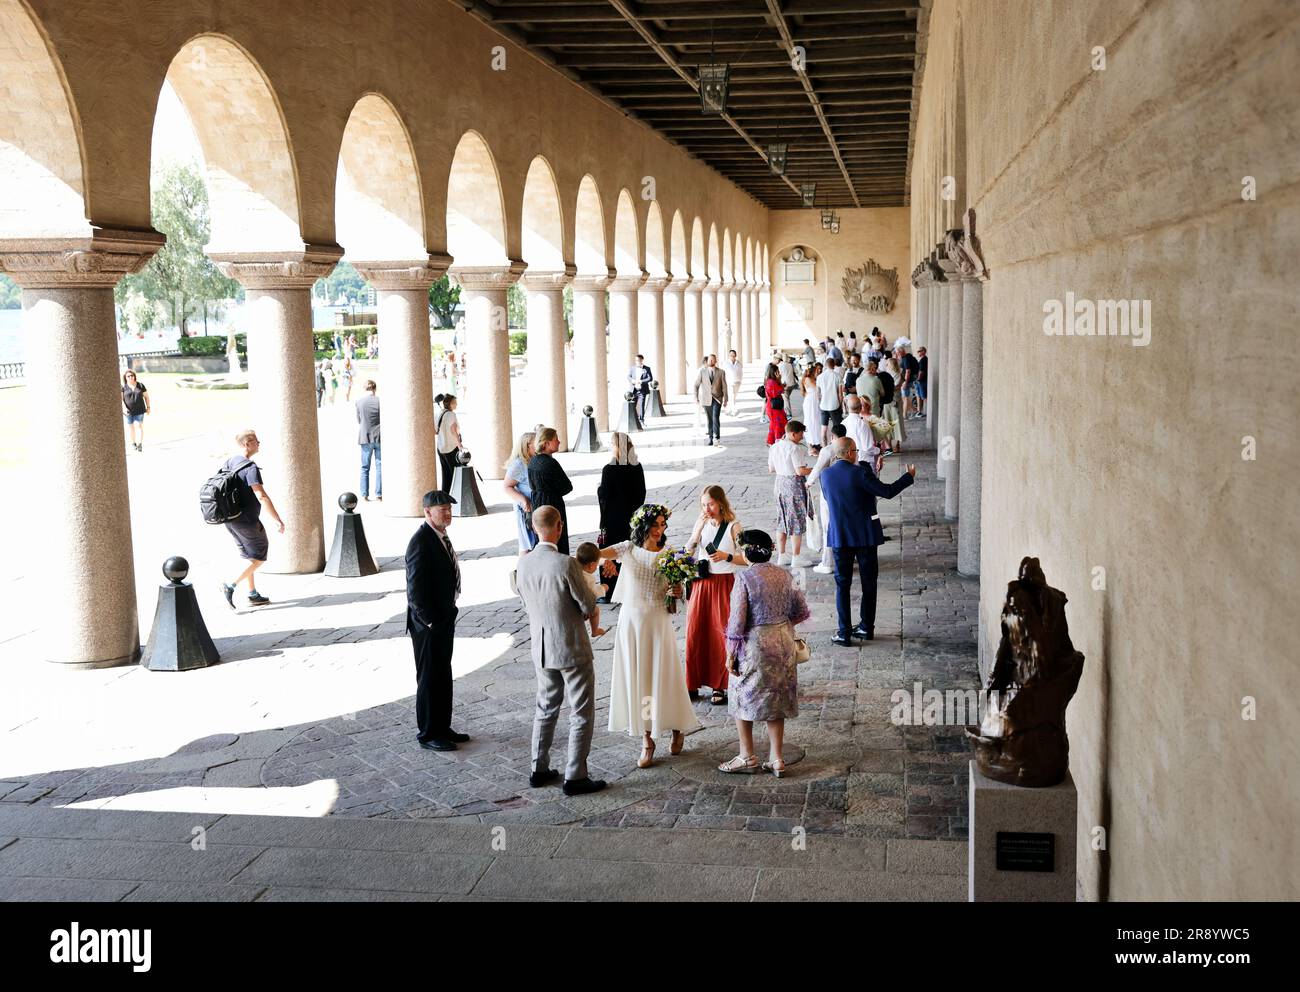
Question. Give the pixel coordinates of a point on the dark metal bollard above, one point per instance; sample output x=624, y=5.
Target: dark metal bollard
x=179, y=640
x=587, y=439
x=464, y=489
x=628, y=420
x=350, y=555
x=655, y=405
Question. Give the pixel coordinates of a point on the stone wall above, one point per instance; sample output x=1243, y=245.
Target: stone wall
x=1126, y=183
x=880, y=233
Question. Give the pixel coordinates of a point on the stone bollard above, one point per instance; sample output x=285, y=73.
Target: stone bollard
x=628, y=420
x=464, y=489
x=350, y=555
x=179, y=640
x=655, y=405
x=586, y=438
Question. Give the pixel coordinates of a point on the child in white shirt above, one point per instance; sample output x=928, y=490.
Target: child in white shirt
x=588, y=556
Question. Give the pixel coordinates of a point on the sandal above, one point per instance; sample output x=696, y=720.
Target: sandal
x=679, y=739
x=647, y=755
x=776, y=767
x=719, y=698
x=740, y=765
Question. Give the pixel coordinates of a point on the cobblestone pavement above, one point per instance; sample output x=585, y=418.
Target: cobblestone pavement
x=853, y=772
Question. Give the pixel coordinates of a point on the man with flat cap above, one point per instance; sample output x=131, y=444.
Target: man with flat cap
x=432, y=588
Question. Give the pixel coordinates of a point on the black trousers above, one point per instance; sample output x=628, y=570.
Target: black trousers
x=868, y=570
x=715, y=420
x=447, y=465
x=642, y=400
x=433, y=647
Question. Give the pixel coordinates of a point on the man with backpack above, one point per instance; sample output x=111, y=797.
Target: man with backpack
x=239, y=485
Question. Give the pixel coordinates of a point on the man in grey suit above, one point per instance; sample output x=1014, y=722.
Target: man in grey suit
x=711, y=394
x=368, y=438
x=559, y=600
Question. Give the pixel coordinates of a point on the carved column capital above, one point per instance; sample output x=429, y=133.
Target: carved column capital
x=279, y=270
x=487, y=278
x=593, y=283
x=697, y=284
x=97, y=261
x=540, y=282
x=416, y=274
x=657, y=283
x=677, y=285
x=627, y=284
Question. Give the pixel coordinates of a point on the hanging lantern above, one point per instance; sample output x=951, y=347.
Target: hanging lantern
x=828, y=215
x=809, y=193
x=835, y=225
x=713, y=87
x=776, y=156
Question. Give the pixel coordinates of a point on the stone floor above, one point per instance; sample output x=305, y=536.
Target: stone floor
x=854, y=774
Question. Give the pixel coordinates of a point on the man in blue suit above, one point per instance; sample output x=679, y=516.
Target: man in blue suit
x=854, y=532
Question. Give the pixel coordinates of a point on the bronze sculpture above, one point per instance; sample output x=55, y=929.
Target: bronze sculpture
x=1021, y=739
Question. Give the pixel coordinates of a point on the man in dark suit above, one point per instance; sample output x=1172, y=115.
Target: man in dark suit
x=368, y=438
x=640, y=377
x=854, y=532
x=432, y=587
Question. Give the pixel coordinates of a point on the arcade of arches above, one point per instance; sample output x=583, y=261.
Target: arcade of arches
x=397, y=144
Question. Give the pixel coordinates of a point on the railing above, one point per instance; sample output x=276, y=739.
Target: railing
x=13, y=370
x=124, y=361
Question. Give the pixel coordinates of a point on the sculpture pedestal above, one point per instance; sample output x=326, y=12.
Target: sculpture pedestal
x=586, y=438
x=1016, y=833
x=627, y=419
x=464, y=490
x=655, y=406
x=179, y=640
x=350, y=555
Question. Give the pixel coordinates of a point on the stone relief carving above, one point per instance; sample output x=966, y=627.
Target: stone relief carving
x=1021, y=738
x=963, y=247
x=871, y=288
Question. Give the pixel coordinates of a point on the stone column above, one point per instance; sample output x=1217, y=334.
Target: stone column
x=937, y=373
x=590, y=361
x=548, y=387
x=953, y=394
x=406, y=380
x=737, y=328
x=755, y=333
x=674, y=307
x=650, y=331
x=694, y=326
x=485, y=416
x=765, y=317
x=623, y=292
x=83, y=579
x=969, y=463
x=709, y=303
x=282, y=388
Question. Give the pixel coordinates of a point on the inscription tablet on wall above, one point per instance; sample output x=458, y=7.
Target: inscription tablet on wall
x=1026, y=852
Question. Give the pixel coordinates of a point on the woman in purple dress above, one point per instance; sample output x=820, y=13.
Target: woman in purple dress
x=765, y=606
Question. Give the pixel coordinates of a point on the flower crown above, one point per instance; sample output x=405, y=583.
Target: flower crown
x=650, y=510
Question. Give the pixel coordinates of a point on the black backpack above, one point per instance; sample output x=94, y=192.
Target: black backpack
x=887, y=381
x=219, y=498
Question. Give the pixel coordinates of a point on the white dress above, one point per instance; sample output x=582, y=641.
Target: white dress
x=812, y=411
x=648, y=691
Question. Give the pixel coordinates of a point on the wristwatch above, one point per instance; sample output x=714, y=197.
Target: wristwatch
x=729, y=558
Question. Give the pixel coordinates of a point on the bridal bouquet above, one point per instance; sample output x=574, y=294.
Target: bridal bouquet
x=881, y=429
x=677, y=567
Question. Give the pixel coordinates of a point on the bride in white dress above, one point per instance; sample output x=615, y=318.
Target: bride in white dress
x=648, y=694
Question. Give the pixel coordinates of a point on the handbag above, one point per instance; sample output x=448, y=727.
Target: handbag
x=802, y=652
x=762, y=392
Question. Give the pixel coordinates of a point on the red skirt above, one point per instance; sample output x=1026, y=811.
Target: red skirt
x=706, y=623
x=776, y=426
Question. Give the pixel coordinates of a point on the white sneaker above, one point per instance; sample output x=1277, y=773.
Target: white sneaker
x=823, y=570
x=799, y=561
x=783, y=560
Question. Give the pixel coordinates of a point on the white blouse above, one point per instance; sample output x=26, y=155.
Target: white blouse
x=640, y=585
x=726, y=544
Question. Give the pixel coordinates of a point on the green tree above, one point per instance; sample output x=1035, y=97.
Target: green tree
x=517, y=305
x=180, y=276
x=11, y=294
x=343, y=284
x=443, y=300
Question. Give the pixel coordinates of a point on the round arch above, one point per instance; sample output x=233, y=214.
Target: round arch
x=378, y=199
x=589, y=230
x=543, y=220
x=476, y=216
x=42, y=169
x=655, y=257
x=678, y=259
x=627, y=239
x=251, y=174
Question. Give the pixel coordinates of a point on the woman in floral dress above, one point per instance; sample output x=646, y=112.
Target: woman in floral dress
x=765, y=606
x=648, y=692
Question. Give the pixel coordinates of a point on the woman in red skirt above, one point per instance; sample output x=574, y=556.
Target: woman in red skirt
x=775, y=405
x=715, y=540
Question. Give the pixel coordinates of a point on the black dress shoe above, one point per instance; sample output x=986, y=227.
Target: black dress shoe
x=694, y=694
x=866, y=633
x=843, y=642
x=438, y=744
x=451, y=735
x=539, y=779
x=581, y=786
